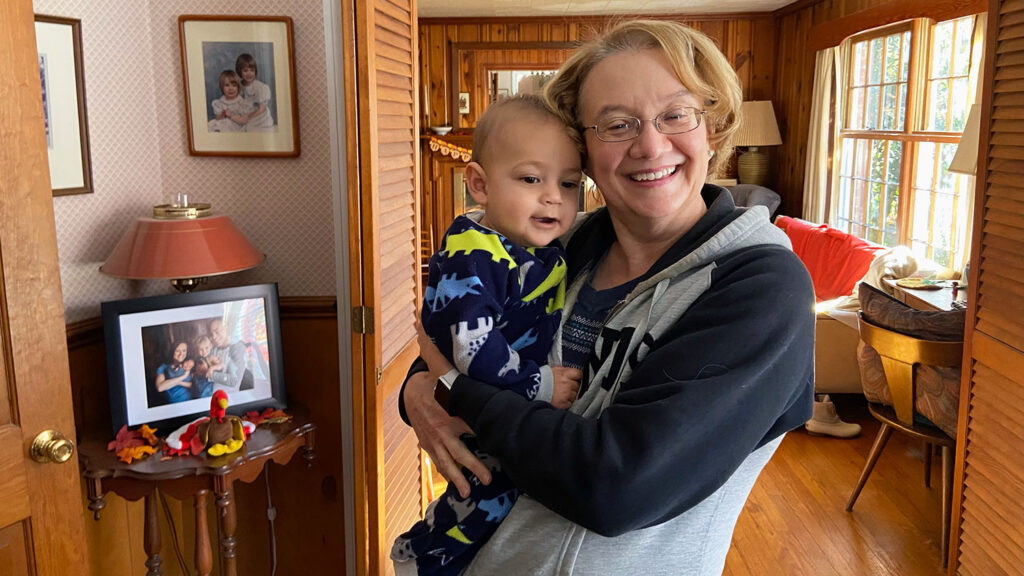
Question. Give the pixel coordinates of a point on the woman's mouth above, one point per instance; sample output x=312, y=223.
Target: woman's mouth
x=653, y=175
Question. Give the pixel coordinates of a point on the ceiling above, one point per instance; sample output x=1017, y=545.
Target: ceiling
x=558, y=8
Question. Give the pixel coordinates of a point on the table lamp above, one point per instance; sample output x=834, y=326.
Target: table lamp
x=184, y=243
x=758, y=128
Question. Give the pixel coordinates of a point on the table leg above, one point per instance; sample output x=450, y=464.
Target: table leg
x=204, y=557
x=227, y=521
x=151, y=535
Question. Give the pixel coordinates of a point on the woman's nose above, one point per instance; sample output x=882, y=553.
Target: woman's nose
x=649, y=143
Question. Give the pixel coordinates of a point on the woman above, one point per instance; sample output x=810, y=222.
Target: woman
x=174, y=378
x=700, y=358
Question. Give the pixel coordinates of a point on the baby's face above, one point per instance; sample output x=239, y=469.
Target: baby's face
x=248, y=74
x=230, y=90
x=533, y=178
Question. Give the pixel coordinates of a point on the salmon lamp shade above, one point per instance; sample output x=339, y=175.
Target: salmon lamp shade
x=183, y=246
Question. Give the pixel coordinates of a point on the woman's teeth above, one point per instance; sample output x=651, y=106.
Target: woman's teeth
x=648, y=176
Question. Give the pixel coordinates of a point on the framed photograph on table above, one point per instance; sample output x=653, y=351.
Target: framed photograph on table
x=239, y=78
x=59, y=48
x=167, y=355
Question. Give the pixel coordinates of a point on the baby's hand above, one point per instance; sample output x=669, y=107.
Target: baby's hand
x=566, y=386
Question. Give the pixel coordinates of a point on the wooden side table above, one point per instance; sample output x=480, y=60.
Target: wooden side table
x=194, y=477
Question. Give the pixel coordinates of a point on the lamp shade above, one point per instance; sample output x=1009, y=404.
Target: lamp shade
x=965, y=161
x=758, y=126
x=169, y=249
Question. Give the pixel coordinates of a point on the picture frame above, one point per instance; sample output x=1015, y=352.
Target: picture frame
x=463, y=103
x=260, y=116
x=62, y=80
x=167, y=355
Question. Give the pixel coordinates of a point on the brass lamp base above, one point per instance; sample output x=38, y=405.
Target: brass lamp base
x=184, y=285
x=752, y=166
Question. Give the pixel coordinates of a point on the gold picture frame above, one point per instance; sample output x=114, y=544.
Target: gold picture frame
x=227, y=112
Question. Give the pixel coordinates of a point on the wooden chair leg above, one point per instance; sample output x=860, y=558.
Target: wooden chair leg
x=876, y=450
x=927, y=464
x=947, y=500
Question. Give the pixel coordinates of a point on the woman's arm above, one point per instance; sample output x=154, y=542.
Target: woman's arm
x=734, y=373
x=163, y=383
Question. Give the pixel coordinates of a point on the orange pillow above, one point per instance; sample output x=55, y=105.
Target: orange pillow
x=835, y=259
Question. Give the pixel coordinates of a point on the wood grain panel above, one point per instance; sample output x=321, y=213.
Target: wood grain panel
x=401, y=483
x=737, y=35
x=14, y=551
x=13, y=484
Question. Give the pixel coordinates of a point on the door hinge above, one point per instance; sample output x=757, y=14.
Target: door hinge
x=362, y=320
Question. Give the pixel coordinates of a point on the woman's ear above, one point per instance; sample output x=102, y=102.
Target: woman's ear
x=476, y=182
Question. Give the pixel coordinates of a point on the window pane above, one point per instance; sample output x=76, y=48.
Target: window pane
x=946, y=179
x=877, y=53
x=895, y=159
x=962, y=50
x=892, y=199
x=906, y=57
x=960, y=108
x=857, y=109
x=892, y=58
x=889, y=108
x=848, y=147
x=925, y=165
x=874, y=206
x=861, y=162
x=922, y=218
x=871, y=121
x=938, y=103
x=942, y=50
x=877, y=160
x=903, y=107
x=860, y=64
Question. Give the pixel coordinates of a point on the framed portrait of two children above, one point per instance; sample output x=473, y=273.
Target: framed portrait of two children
x=239, y=78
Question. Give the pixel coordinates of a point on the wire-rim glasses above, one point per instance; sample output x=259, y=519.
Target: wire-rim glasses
x=622, y=128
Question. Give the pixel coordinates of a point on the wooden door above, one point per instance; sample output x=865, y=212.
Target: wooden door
x=383, y=158
x=988, y=506
x=41, y=529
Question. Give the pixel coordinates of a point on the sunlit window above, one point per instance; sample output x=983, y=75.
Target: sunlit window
x=907, y=97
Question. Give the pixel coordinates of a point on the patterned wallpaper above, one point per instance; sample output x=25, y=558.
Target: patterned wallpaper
x=139, y=150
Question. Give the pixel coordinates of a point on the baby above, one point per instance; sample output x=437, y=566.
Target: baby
x=494, y=302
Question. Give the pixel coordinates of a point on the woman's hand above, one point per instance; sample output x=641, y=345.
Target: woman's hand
x=438, y=433
x=435, y=360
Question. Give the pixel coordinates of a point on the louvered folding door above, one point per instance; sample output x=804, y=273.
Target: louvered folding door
x=989, y=504
x=388, y=491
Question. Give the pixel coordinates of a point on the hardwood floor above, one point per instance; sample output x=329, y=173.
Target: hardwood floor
x=795, y=522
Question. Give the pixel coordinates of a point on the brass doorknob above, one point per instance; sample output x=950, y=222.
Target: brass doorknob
x=51, y=446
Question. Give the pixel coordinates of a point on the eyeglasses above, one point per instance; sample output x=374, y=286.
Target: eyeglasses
x=622, y=128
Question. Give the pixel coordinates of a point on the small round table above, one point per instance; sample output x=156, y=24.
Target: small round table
x=183, y=477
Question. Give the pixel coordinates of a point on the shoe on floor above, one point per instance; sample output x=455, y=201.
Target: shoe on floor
x=825, y=421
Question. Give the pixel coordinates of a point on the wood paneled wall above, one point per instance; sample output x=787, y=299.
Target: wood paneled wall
x=748, y=40
x=310, y=518
x=794, y=82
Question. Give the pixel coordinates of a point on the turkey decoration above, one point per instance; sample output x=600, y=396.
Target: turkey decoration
x=217, y=434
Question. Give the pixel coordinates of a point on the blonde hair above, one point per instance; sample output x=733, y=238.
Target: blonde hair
x=502, y=111
x=229, y=76
x=697, y=61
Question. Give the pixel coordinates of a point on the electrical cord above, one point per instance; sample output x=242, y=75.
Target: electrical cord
x=271, y=516
x=174, y=533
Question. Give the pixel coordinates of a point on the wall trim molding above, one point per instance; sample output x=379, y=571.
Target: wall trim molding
x=90, y=330
x=833, y=32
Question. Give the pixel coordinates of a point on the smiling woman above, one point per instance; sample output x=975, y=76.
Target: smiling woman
x=661, y=285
